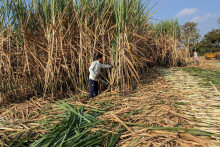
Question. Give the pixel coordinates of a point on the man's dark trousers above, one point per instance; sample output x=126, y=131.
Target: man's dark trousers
x=94, y=87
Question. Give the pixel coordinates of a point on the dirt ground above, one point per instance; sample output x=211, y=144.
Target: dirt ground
x=209, y=64
x=168, y=108
x=204, y=101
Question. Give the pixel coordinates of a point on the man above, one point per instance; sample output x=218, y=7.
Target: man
x=93, y=77
x=195, y=58
x=151, y=61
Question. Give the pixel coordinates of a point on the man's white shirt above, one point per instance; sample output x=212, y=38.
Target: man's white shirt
x=195, y=56
x=95, y=68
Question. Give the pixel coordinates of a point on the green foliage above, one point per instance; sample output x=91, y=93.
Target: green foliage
x=219, y=20
x=206, y=74
x=171, y=28
x=76, y=128
x=190, y=36
x=20, y=142
x=210, y=43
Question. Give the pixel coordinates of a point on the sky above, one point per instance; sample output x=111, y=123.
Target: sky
x=203, y=12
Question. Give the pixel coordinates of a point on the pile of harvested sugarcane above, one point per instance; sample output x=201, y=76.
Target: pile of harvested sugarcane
x=150, y=116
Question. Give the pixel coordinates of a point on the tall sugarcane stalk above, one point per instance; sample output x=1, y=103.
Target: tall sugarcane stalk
x=59, y=39
x=168, y=36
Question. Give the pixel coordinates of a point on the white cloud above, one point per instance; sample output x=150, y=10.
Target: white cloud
x=186, y=11
x=196, y=19
x=207, y=16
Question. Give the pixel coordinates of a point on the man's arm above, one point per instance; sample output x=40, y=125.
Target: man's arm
x=105, y=66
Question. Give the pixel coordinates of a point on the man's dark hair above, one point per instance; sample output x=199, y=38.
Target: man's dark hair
x=99, y=56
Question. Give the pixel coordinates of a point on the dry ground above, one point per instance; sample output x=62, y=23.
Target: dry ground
x=209, y=64
x=168, y=108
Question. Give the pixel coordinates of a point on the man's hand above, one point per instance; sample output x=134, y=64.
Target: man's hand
x=96, y=77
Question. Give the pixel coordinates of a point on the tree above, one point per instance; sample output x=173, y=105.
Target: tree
x=210, y=43
x=190, y=37
x=219, y=20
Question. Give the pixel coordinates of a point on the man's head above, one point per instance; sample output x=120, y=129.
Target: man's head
x=99, y=58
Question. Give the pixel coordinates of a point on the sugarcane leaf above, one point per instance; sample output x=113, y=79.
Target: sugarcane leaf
x=16, y=139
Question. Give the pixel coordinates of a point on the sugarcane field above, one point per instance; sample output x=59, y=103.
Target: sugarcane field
x=109, y=73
